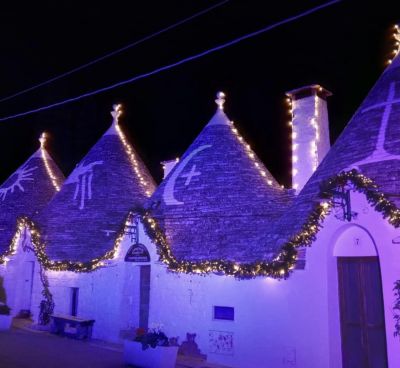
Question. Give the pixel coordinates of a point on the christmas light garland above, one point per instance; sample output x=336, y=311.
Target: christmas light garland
x=396, y=47
x=279, y=268
x=49, y=171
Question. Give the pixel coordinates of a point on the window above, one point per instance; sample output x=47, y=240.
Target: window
x=74, y=301
x=224, y=313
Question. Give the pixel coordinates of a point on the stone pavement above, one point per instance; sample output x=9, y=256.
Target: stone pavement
x=25, y=348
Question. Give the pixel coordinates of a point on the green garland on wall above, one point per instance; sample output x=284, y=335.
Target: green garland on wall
x=284, y=262
x=280, y=267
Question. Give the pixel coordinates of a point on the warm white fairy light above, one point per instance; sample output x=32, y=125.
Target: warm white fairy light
x=396, y=36
x=116, y=113
x=49, y=171
x=314, y=124
x=293, y=135
x=220, y=100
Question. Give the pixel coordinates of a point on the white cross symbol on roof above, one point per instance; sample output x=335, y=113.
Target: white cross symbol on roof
x=380, y=154
x=190, y=175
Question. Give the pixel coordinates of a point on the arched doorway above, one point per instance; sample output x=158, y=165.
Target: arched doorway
x=362, y=322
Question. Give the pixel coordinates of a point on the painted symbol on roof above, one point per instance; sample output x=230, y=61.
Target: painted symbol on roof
x=168, y=194
x=190, y=175
x=22, y=174
x=380, y=153
x=82, y=176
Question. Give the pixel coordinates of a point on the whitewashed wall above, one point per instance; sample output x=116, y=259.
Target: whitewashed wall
x=288, y=323
x=109, y=295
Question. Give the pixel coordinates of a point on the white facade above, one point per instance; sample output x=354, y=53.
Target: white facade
x=288, y=323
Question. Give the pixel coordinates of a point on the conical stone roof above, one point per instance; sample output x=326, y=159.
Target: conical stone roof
x=27, y=191
x=219, y=200
x=370, y=143
x=83, y=220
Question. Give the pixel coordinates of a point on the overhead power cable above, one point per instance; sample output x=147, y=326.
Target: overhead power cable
x=173, y=65
x=115, y=52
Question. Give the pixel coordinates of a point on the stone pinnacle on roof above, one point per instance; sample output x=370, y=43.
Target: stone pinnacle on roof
x=116, y=113
x=220, y=100
x=42, y=140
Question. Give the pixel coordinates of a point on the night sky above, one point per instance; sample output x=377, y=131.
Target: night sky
x=343, y=48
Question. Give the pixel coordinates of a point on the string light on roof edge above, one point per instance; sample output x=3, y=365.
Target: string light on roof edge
x=116, y=113
x=43, y=152
x=293, y=135
x=220, y=100
x=396, y=36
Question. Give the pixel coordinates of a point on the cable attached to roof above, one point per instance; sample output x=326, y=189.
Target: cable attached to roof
x=115, y=52
x=173, y=65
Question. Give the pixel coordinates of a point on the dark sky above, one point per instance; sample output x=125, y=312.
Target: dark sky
x=343, y=48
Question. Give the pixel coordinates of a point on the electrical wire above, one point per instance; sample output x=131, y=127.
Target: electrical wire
x=173, y=65
x=115, y=52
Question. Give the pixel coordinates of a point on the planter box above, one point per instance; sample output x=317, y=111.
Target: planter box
x=5, y=321
x=160, y=357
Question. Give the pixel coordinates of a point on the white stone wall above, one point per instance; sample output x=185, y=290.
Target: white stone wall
x=21, y=273
x=109, y=295
x=288, y=323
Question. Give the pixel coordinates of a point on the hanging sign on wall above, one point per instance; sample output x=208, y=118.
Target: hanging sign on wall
x=137, y=253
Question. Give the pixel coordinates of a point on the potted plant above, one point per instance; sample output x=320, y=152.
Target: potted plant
x=150, y=348
x=5, y=317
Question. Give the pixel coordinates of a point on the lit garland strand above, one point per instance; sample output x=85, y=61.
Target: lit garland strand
x=116, y=113
x=396, y=49
x=43, y=152
x=250, y=153
x=280, y=267
x=39, y=248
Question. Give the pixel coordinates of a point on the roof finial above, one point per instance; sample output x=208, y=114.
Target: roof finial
x=117, y=111
x=220, y=100
x=42, y=140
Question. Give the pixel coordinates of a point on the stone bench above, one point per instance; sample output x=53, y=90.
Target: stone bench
x=71, y=326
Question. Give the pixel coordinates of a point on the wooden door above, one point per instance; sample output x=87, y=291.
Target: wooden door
x=361, y=313
x=27, y=285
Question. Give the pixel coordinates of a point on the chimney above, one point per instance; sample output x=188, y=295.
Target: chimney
x=168, y=166
x=310, y=131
